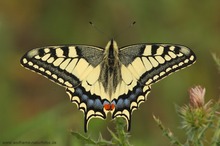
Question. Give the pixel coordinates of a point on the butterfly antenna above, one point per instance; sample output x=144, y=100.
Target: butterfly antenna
x=125, y=29
x=97, y=29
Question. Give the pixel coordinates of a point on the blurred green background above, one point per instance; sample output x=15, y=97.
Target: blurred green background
x=34, y=109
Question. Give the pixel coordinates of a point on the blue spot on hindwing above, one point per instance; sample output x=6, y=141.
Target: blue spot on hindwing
x=127, y=103
x=78, y=91
x=132, y=97
x=120, y=103
x=138, y=91
x=98, y=104
x=90, y=103
x=84, y=98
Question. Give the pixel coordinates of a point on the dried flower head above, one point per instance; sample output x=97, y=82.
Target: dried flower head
x=196, y=96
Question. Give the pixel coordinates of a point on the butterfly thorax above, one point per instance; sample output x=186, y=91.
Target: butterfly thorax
x=111, y=54
x=110, y=74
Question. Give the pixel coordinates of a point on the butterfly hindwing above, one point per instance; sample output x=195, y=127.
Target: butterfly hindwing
x=91, y=105
x=126, y=103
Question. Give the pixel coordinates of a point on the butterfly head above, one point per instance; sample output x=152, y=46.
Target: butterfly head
x=111, y=45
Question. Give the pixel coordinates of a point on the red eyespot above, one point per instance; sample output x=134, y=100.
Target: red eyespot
x=109, y=107
x=112, y=106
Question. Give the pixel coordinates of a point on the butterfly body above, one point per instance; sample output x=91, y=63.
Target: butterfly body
x=113, y=79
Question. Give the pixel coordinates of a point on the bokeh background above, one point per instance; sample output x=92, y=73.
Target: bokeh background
x=34, y=109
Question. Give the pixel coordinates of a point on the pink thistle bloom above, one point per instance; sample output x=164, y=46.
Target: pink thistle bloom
x=197, y=96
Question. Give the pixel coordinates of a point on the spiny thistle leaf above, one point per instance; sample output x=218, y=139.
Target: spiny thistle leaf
x=90, y=141
x=86, y=140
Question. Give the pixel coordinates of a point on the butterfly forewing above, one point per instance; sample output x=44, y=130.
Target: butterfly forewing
x=63, y=64
x=150, y=63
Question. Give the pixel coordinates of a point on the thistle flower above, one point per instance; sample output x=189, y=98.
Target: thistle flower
x=196, y=96
x=196, y=115
x=197, y=118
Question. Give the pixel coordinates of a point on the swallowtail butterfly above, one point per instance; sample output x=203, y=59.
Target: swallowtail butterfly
x=113, y=79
